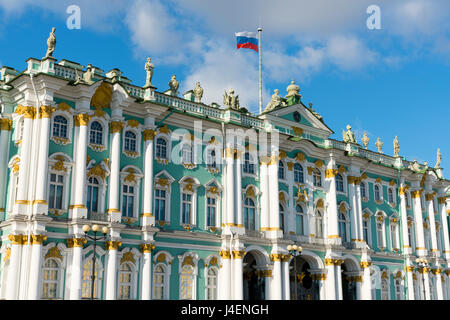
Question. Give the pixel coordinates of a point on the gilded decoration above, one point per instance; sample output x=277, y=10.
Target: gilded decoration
x=415, y=193
x=392, y=183
x=76, y=242
x=81, y=119
x=116, y=126
x=5, y=124
x=342, y=208
x=225, y=254
x=59, y=166
x=128, y=257
x=283, y=154
x=436, y=271
x=286, y=257
x=290, y=166
x=102, y=96
x=97, y=170
x=213, y=261
x=275, y=257
x=429, y=196
x=300, y=157
x=147, y=247
x=161, y=258
x=99, y=113
x=133, y=123
x=238, y=254
x=54, y=252
x=17, y=239
x=250, y=192
x=38, y=238
x=27, y=112
x=365, y=264
x=297, y=131
x=310, y=170
x=149, y=134
x=319, y=164
x=319, y=276
x=16, y=166
x=342, y=169
x=320, y=204
x=7, y=254
x=441, y=200
x=188, y=260
x=112, y=245
x=282, y=197
x=46, y=111
x=163, y=182
x=331, y=173
x=64, y=107
x=213, y=190
x=164, y=129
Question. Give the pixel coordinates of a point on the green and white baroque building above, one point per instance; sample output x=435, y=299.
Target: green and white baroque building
x=98, y=150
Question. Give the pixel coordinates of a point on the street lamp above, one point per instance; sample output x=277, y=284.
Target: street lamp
x=95, y=238
x=423, y=264
x=295, y=251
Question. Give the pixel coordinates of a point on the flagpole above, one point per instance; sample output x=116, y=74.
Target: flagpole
x=260, y=70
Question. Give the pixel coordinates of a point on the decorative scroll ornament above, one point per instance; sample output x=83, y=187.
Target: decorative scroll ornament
x=164, y=129
x=161, y=257
x=64, y=107
x=128, y=257
x=112, y=245
x=97, y=170
x=7, y=254
x=213, y=261
x=149, y=134
x=46, y=111
x=81, y=119
x=54, y=252
x=133, y=123
x=102, y=96
x=147, y=247
x=188, y=260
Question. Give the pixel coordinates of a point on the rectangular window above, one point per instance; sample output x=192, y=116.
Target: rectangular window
x=211, y=212
x=128, y=201
x=394, y=236
x=160, y=205
x=366, y=231
x=186, y=208
x=56, y=191
x=380, y=235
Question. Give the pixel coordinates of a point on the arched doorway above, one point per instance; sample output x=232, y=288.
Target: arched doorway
x=348, y=283
x=254, y=282
x=302, y=285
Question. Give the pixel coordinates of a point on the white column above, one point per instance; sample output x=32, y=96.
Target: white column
x=421, y=250
x=148, y=217
x=444, y=227
x=438, y=281
x=331, y=205
x=274, y=202
x=358, y=281
x=229, y=160
x=238, y=276
x=238, y=192
x=357, y=183
x=429, y=201
x=111, y=269
x=410, y=282
x=330, y=283
x=225, y=279
x=146, y=286
x=35, y=266
x=339, y=295
x=79, y=208
x=285, y=274
x=276, y=283
x=25, y=153
x=291, y=226
x=404, y=221
x=366, y=286
x=42, y=165
x=77, y=266
x=267, y=285
x=12, y=282
x=264, y=183
x=354, y=211
x=114, y=178
x=5, y=129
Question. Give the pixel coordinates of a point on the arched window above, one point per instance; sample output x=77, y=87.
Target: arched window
x=211, y=284
x=187, y=283
x=211, y=159
x=128, y=197
x=125, y=281
x=319, y=229
x=130, y=141
x=93, y=195
x=55, y=197
x=384, y=289
x=363, y=189
x=186, y=152
x=60, y=127
x=339, y=183
x=282, y=217
x=317, y=177
x=160, y=204
x=390, y=195
x=366, y=223
x=50, y=282
x=380, y=233
x=249, y=214
x=377, y=193
x=342, y=226
x=299, y=220
x=160, y=290
x=249, y=166
x=398, y=289
x=161, y=148
x=281, y=173
x=298, y=173
x=394, y=235
x=96, y=134
x=87, y=279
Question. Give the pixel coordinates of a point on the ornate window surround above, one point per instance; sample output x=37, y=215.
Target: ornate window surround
x=69, y=117
x=61, y=164
x=138, y=132
x=87, y=256
x=213, y=190
x=164, y=259
x=130, y=256
x=191, y=259
x=131, y=176
x=163, y=180
x=102, y=181
x=104, y=122
x=189, y=185
x=56, y=251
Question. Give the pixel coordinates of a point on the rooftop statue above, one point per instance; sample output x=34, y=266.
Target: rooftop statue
x=415, y=166
x=198, y=92
x=379, y=145
x=314, y=111
x=173, y=85
x=365, y=140
x=438, y=159
x=51, y=43
x=293, y=94
x=87, y=76
x=396, y=147
x=348, y=136
x=275, y=102
x=230, y=100
x=149, y=68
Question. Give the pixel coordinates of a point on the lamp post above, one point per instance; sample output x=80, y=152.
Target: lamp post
x=423, y=264
x=295, y=251
x=95, y=238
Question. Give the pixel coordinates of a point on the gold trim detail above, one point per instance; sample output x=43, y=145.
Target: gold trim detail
x=275, y=256
x=238, y=254
x=128, y=257
x=116, y=126
x=147, y=247
x=81, y=120
x=46, y=112
x=102, y=96
x=365, y=264
x=5, y=124
x=38, y=238
x=225, y=254
x=112, y=245
x=330, y=173
x=149, y=134
x=415, y=194
x=54, y=252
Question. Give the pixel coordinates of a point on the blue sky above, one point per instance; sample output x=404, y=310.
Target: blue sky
x=388, y=82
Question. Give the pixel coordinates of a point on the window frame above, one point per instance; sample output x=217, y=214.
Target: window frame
x=301, y=173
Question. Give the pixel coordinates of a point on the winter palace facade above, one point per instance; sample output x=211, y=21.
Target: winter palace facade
x=194, y=211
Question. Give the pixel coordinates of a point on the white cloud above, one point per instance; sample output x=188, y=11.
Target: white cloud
x=349, y=53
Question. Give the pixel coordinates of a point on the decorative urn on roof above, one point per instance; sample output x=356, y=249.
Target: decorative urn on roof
x=293, y=94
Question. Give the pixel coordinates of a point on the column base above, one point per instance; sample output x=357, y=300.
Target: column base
x=273, y=233
x=422, y=252
x=147, y=219
x=40, y=207
x=78, y=212
x=20, y=207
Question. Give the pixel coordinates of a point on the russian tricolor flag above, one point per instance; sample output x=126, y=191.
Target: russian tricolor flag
x=247, y=40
